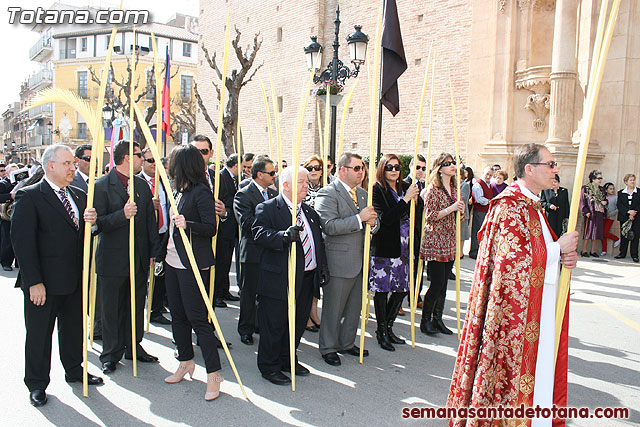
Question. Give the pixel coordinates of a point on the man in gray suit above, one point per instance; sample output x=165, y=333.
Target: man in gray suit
x=343, y=210
x=82, y=157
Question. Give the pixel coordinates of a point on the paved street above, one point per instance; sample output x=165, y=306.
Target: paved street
x=604, y=370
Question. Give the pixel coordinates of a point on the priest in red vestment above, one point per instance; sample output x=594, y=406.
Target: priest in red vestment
x=506, y=353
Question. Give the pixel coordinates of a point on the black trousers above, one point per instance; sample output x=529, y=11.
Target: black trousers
x=188, y=312
x=624, y=244
x=224, y=255
x=249, y=276
x=6, y=249
x=439, y=272
x=273, y=319
x=39, y=322
x=116, y=314
x=159, y=291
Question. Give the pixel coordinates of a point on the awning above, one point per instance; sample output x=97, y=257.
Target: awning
x=33, y=126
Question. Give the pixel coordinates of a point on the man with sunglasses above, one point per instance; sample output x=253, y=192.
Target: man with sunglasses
x=244, y=206
x=343, y=210
x=482, y=195
x=512, y=300
x=421, y=170
x=161, y=205
x=114, y=208
x=83, y=157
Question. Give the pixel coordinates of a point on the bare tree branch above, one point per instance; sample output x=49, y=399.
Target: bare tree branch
x=202, y=107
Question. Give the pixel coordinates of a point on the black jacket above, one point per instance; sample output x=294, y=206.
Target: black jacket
x=386, y=242
x=244, y=208
x=228, y=229
x=198, y=210
x=555, y=217
x=273, y=217
x=46, y=243
x=419, y=215
x=624, y=208
x=112, y=255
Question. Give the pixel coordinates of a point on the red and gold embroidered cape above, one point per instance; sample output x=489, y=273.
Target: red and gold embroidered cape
x=499, y=343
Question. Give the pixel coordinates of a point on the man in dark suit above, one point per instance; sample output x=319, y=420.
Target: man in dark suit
x=274, y=232
x=227, y=233
x=6, y=249
x=114, y=209
x=82, y=158
x=421, y=167
x=48, y=217
x=244, y=206
x=161, y=205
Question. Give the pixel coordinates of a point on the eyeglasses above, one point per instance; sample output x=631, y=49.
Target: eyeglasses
x=552, y=165
x=138, y=154
x=355, y=168
x=85, y=158
x=272, y=173
x=150, y=160
x=314, y=168
x=448, y=163
x=598, y=177
x=203, y=151
x=2, y=170
x=390, y=168
x=421, y=168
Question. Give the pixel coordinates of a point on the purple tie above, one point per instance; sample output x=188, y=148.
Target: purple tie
x=67, y=205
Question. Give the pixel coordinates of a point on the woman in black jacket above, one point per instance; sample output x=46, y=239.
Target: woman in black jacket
x=390, y=246
x=555, y=202
x=197, y=218
x=628, y=207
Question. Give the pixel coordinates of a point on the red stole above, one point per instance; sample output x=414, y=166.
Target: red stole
x=499, y=343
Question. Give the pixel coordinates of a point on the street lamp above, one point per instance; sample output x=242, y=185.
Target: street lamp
x=107, y=115
x=52, y=131
x=336, y=70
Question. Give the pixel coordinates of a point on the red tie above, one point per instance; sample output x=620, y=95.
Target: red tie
x=153, y=191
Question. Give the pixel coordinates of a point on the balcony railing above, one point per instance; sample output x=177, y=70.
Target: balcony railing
x=41, y=49
x=41, y=79
x=39, y=140
x=89, y=93
x=45, y=110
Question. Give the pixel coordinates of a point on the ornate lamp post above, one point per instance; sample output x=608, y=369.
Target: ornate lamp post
x=336, y=71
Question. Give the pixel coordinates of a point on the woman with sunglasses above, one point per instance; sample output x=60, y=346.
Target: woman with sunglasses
x=593, y=204
x=188, y=311
x=314, y=165
x=439, y=243
x=389, y=270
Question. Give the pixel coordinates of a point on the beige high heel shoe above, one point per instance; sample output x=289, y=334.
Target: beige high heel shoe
x=184, y=369
x=213, y=380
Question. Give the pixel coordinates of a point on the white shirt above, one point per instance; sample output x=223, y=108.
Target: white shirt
x=307, y=228
x=261, y=189
x=629, y=195
x=69, y=197
x=163, y=201
x=545, y=362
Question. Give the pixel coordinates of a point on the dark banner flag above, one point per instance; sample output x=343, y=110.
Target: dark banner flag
x=394, y=62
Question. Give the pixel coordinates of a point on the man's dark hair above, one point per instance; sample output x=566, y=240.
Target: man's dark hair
x=499, y=167
x=203, y=138
x=525, y=155
x=259, y=165
x=420, y=159
x=345, y=159
x=247, y=157
x=80, y=149
x=232, y=160
x=185, y=167
x=122, y=149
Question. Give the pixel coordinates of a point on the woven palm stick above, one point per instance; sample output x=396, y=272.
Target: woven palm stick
x=412, y=208
x=323, y=154
x=585, y=135
x=276, y=118
x=374, y=97
x=458, y=213
x=268, y=117
x=217, y=169
x=187, y=244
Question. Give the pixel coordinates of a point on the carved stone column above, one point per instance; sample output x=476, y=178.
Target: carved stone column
x=563, y=76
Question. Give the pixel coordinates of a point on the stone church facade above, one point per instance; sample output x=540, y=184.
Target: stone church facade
x=519, y=70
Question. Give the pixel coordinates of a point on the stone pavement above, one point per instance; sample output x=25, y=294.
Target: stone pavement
x=604, y=370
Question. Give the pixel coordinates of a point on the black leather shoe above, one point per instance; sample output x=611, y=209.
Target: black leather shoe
x=109, y=367
x=332, y=359
x=160, y=319
x=9, y=268
x=300, y=370
x=439, y=324
x=427, y=327
x=636, y=259
x=595, y=255
x=355, y=351
x=277, y=378
x=230, y=297
x=452, y=276
x=219, y=302
x=246, y=339
x=585, y=254
x=91, y=379
x=143, y=357
x=312, y=328
x=38, y=398
x=620, y=257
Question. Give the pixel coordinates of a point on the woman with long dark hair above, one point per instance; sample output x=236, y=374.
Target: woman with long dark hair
x=197, y=219
x=439, y=244
x=389, y=270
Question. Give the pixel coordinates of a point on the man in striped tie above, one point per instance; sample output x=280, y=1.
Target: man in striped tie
x=273, y=230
